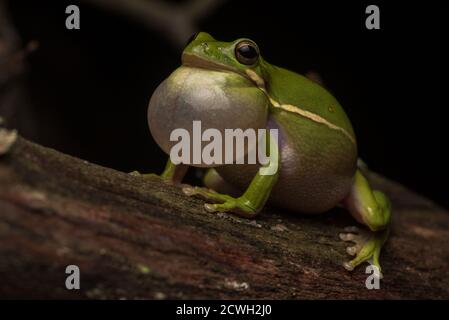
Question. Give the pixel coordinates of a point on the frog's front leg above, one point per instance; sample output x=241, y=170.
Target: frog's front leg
x=247, y=205
x=371, y=208
x=172, y=173
x=253, y=199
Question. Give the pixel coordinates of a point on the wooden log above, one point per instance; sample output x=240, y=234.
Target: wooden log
x=135, y=237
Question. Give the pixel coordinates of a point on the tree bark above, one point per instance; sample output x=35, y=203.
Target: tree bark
x=135, y=237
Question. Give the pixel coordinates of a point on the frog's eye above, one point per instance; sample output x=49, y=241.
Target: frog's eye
x=191, y=38
x=246, y=52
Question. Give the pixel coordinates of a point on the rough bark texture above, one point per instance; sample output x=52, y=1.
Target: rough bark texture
x=140, y=238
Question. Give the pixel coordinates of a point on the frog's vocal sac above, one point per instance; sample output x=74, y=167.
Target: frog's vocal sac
x=229, y=85
x=237, y=147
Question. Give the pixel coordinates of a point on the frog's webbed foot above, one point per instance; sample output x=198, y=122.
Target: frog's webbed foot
x=221, y=202
x=367, y=246
x=253, y=199
x=373, y=209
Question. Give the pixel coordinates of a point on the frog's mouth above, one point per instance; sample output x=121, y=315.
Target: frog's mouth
x=194, y=61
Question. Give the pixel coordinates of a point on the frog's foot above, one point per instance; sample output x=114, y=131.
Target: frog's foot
x=172, y=173
x=367, y=246
x=222, y=202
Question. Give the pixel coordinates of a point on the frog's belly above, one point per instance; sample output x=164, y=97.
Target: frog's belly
x=317, y=166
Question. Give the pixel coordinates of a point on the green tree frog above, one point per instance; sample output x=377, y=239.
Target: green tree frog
x=230, y=85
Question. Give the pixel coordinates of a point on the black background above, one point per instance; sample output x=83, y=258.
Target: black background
x=90, y=87
x=281, y=309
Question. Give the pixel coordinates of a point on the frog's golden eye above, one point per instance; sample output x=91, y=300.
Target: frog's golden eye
x=246, y=52
x=191, y=38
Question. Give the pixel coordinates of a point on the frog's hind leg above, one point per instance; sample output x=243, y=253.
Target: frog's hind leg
x=371, y=208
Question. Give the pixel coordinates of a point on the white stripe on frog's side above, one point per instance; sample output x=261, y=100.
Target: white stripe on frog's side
x=295, y=109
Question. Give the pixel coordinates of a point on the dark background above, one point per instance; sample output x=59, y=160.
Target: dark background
x=90, y=87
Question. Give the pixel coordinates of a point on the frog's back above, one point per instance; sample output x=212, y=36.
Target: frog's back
x=298, y=92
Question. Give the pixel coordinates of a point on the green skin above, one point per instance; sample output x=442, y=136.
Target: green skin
x=317, y=153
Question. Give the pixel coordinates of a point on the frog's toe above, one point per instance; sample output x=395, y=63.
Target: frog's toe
x=189, y=191
x=353, y=237
x=221, y=202
x=352, y=251
x=367, y=247
x=234, y=205
x=203, y=193
x=347, y=236
x=210, y=207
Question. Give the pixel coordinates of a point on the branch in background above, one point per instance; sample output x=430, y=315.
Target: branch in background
x=12, y=55
x=176, y=22
x=9, y=45
x=15, y=108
